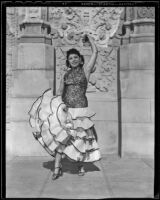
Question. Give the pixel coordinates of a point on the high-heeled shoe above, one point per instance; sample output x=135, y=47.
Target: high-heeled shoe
x=58, y=174
x=81, y=171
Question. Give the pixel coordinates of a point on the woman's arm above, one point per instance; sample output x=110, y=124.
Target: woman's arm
x=92, y=60
x=61, y=87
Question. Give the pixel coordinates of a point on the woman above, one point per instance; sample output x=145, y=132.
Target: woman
x=79, y=138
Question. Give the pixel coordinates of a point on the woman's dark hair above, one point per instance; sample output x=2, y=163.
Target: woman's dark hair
x=74, y=51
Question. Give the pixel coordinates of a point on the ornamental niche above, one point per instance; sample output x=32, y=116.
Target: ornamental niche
x=68, y=24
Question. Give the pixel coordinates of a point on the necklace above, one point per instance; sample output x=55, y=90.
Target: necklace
x=75, y=70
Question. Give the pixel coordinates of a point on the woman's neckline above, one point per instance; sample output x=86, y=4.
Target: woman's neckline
x=76, y=68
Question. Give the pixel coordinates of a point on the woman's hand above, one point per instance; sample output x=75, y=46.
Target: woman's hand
x=86, y=37
x=91, y=39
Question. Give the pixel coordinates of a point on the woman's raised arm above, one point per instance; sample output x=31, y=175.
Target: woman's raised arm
x=91, y=63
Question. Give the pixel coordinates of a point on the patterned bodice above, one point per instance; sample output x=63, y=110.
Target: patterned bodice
x=75, y=86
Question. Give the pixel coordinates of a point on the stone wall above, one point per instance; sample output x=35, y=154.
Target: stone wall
x=137, y=62
x=40, y=33
x=32, y=75
x=11, y=61
x=121, y=87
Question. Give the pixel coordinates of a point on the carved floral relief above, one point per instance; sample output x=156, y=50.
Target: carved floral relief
x=104, y=74
x=68, y=26
x=70, y=23
x=146, y=12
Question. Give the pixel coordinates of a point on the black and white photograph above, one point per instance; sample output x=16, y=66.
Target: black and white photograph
x=80, y=100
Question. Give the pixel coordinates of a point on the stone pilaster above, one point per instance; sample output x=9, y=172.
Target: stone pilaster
x=139, y=25
x=31, y=77
x=11, y=61
x=137, y=60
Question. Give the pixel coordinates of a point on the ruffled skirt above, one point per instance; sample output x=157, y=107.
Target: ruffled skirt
x=70, y=130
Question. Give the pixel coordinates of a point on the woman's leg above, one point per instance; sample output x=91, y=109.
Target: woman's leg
x=81, y=170
x=58, y=165
x=57, y=168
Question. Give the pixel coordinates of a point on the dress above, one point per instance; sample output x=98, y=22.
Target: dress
x=51, y=116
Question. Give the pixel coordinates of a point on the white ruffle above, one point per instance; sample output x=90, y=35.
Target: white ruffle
x=75, y=155
x=84, y=123
x=84, y=146
x=34, y=108
x=45, y=115
x=49, y=119
x=81, y=134
x=81, y=112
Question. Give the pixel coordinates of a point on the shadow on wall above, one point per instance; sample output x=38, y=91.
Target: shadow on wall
x=70, y=167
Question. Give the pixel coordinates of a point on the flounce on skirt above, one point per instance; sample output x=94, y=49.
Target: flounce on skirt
x=57, y=127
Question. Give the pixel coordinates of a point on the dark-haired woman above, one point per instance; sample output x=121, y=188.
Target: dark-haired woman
x=80, y=142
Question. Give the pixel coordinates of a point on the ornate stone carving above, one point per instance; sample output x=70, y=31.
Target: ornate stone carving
x=129, y=13
x=146, y=12
x=105, y=71
x=34, y=21
x=106, y=68
x=33, y=14
x=11, y=22
x=100, y=22
x=44, y=13
x=68, y=25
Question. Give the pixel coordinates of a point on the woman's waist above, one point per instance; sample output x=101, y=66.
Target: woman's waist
x=74, y=96
x=76, y=89
x=73, y=100
x=76, y=85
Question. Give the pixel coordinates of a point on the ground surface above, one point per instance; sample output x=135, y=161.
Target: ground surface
x=30, y=177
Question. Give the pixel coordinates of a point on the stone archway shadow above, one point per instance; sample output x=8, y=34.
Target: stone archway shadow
x=70, y=167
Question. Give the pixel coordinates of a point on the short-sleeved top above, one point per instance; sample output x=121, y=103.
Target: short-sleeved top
x=75, y=86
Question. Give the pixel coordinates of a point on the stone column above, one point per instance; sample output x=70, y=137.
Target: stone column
x=32, y=76
x=11, y=61
x=137, y=61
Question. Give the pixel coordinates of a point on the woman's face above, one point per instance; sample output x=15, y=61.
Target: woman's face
x=74, y=60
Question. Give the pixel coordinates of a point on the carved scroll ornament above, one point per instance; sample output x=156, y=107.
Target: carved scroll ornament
x=71, y=23
x=146, y=12
x=32, y=14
